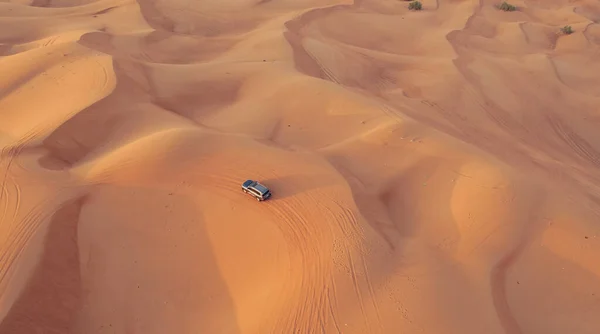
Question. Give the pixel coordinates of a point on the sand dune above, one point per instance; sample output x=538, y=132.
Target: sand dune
x=433, y=171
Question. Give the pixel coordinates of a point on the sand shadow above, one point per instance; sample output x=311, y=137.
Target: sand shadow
x=90, y=129
x=150, y=268
x=580, y=286
x=52, y=297
x=124, y=272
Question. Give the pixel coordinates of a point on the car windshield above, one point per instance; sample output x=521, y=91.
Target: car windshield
x=261, y=188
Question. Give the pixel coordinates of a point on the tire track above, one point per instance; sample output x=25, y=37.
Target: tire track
x=16, y=232
x=579, y=146
x=17, y=197
x=311, y=307
x=18, y=238
x=330, y=75
x=104, y=80
x=11, y=152
x=5, y=176
x=497, y=115
x=348, y=224
x=4, y=192
x=332, y=301
x=357, y=290
x=309, y=302
x=50, y=41
x=312, y=299
x=451, y=116
x=307, y=305
x=371, y=292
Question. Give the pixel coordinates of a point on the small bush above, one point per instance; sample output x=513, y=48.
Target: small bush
x=415, y=5
x=567, y=30
x=505, y=6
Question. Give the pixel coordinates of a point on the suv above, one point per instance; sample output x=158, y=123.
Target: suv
x=256, y=190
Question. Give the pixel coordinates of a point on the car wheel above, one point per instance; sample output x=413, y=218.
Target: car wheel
x=258, y=199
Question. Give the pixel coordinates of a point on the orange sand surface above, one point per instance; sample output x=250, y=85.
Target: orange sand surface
x=433, y=171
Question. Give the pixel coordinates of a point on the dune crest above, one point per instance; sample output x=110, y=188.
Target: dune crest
x=432, y=171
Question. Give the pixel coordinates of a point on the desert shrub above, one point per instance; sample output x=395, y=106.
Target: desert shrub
x=567, y=30
x=415, y=5
x=505, y=6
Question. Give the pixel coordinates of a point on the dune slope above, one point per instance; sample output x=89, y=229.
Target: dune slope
x=433, y=171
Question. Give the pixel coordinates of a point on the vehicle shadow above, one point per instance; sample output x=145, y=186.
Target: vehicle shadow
x=291, y=185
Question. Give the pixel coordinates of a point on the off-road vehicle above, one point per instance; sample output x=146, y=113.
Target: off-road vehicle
x=256, y=190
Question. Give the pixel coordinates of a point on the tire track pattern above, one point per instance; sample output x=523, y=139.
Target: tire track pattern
x=309, y=302
x=18, y=236
x=17, y=229
x=577, y=144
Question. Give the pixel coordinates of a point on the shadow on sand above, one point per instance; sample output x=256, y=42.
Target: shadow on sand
x=143, y=267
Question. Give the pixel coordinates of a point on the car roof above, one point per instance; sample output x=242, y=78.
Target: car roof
x=260, y=188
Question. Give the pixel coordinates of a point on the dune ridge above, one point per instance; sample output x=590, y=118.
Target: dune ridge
x=433, y=171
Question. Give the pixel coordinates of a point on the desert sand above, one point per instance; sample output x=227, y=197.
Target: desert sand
x=433, y=171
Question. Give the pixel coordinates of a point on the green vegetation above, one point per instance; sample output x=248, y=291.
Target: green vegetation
x=505, y=6
x=567, y=30
x=415, y=5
